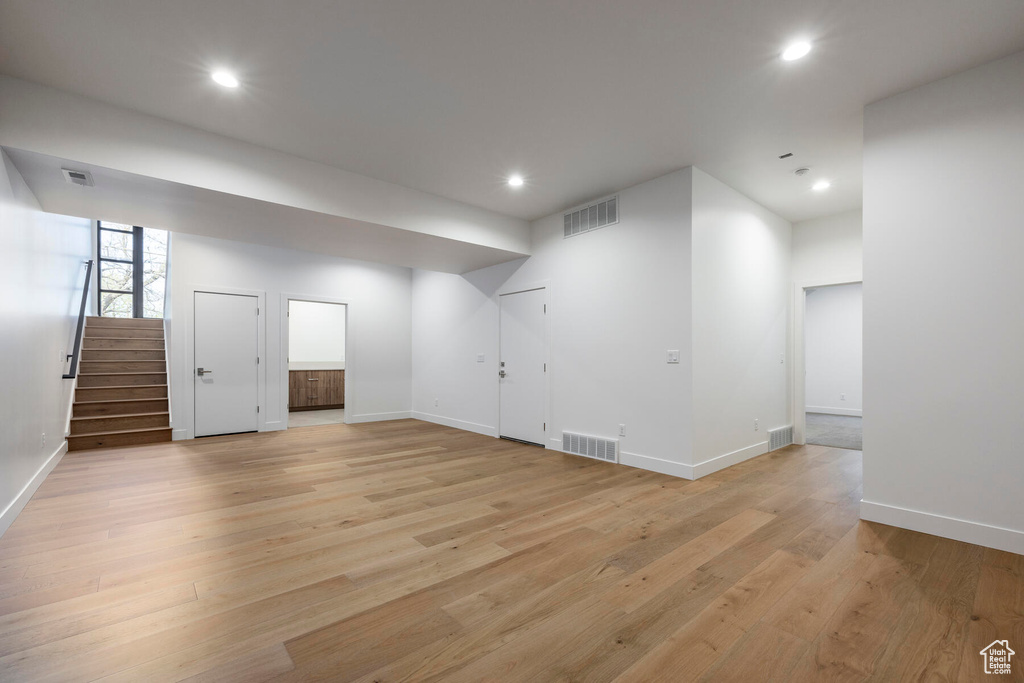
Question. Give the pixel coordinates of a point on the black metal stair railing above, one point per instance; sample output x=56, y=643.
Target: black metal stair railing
x=73, y=356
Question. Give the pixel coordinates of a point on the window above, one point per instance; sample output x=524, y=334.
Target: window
x=132, y=270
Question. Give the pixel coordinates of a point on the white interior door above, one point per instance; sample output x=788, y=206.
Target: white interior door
x=522, y=366
x=226, y=372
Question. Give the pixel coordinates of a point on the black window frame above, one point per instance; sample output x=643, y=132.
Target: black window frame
x=138, y=308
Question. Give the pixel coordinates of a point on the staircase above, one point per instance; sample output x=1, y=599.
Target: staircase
x=121, y=398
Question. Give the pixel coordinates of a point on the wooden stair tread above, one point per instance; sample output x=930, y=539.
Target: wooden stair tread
x=128, y=386
x=120, y=338
x=119, y=415
x=133, y=372
x=93, y=435
x=122, y=400
x=126, y=328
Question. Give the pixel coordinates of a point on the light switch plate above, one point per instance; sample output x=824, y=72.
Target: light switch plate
x=479, y=358
x=673, y=356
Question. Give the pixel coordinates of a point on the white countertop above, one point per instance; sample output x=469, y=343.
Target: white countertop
x=312, y=365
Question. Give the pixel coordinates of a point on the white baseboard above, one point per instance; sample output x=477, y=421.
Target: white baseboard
x=642, y=462
x=999, y=538
x=275, y=426
x=652, y=464
x=179, y=434
x=849, y=412
x=486, y=430
x=682, y=470
x=8, y=516
x=702, y=469
x=377, y=417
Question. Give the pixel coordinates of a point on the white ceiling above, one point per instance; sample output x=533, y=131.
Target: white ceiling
x=581, y=97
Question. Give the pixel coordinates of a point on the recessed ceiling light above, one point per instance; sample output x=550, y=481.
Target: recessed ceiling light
x=225, y=78
x=796, y=51
x=821, y=186
x=515, y=180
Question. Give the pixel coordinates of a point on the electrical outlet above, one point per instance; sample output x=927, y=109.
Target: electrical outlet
x=437, y=402
x=622, y=430
x=43, y=439
x=755, y=424
x=842, y=397
x=480, y=358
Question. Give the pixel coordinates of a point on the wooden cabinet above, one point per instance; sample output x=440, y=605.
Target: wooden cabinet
x=314, y=389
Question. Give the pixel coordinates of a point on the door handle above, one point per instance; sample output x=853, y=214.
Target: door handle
x=501, y=374
x=201, y=372
x=313, y=379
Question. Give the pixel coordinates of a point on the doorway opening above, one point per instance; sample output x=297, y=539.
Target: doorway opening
x=316, y=351
x=833, y=365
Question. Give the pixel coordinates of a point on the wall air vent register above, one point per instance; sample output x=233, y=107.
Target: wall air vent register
x=591, y=217
x=590, y=446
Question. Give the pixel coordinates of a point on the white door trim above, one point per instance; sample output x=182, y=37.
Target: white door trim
x=350, y=361
x=799, y=364
x=186, y=373
x=546, y=286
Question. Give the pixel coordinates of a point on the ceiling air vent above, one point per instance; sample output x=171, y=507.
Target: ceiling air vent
x=597, y=215
x=77, y=177
x=590, y=446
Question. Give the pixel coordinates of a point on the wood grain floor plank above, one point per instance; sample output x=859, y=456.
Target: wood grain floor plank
x=407, y=551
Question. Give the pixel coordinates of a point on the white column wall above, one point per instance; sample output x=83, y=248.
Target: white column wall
x=943, y=319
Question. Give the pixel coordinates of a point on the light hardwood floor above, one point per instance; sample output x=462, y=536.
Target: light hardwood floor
x=409, y=551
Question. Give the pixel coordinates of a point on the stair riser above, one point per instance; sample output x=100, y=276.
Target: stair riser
x=103, y=366
x=91, y=425
x=156, y=405
x=122, y=354
x=87, y=442
x=118, y=393
x=102, y=343
x=147, y=323
x=124, y=332
x=86, y=381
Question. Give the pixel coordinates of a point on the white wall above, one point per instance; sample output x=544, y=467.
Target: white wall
x=316, y=336
x=42, y=280
x=741, y=272
x=943, y=318
x=454, y=319
x=618, y=299
x=829, y=249
x=833, y=331
x=378, y=355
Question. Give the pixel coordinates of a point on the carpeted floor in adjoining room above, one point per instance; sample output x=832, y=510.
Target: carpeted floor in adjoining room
x=836, y=431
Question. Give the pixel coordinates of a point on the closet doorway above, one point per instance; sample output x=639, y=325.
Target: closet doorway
x=316, y=362
x=833, y=365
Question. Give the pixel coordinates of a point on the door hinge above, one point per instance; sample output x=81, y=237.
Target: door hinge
x=257, y=310
x=545, y=308
x=257, y=409
x=257, y=360
x=545, y=367
x=545, y=426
